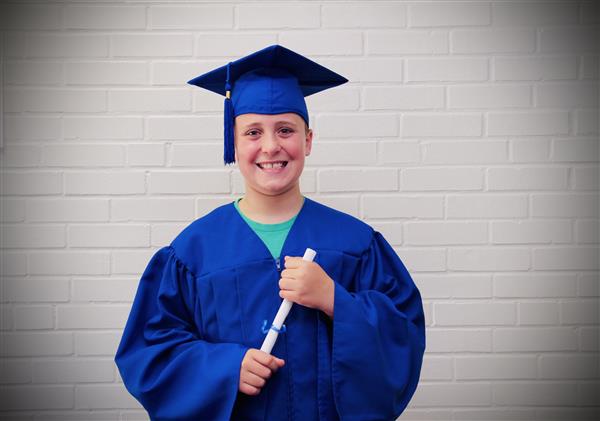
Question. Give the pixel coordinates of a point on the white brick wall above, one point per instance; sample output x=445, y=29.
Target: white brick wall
x=468, y=135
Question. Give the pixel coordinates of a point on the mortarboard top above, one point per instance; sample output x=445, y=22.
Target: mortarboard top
x=274, y=80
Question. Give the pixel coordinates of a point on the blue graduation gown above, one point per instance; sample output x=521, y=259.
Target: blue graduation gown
x=202, y=300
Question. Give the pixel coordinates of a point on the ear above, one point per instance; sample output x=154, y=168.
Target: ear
x=308, y=144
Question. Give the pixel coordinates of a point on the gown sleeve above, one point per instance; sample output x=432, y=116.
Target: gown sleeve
x=378, y=338
x=163, y=360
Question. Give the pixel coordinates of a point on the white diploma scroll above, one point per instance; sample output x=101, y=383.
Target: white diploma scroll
x=282, y=313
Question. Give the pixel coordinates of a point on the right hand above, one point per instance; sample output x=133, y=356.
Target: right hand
x=257, y=366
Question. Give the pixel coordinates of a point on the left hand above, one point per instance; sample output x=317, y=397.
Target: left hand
x=306, y=283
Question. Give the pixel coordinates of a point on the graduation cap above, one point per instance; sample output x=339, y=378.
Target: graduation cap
x=274, y=80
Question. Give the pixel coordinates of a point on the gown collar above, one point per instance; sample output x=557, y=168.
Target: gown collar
x=251, y=244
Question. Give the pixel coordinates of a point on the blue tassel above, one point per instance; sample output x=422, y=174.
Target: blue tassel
x=229, y=154
x=229, y=151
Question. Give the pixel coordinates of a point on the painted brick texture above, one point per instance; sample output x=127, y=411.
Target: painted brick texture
x=468, y=135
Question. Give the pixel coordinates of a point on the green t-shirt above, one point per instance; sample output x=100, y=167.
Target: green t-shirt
x=273, y=235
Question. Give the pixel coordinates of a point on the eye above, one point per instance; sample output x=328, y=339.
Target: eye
x=252, y=132
x=286, y=130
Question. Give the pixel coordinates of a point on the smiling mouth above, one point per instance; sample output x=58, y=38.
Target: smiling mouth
x=271, y=165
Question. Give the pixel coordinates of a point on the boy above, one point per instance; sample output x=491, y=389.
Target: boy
x=354, y=339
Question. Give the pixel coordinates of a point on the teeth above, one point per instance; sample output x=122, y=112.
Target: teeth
x=271, y=165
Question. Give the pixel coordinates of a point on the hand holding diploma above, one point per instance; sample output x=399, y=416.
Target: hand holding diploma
x=306, y=283
x=282, y=313
x=257, y=367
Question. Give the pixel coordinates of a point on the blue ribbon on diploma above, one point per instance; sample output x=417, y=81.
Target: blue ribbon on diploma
x=265, y=329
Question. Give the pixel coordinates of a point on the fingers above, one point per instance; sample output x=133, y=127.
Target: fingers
x=276, y=364
x=287, y=284
x=290, y=296
x=294, y=262
x=250, y=365
x=259, y=370
x=249, y=390
x=257, y=366
x=252, y=379
x=267, y=360
x=292, y=273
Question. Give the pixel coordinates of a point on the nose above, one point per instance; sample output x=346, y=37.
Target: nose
x=270, y=144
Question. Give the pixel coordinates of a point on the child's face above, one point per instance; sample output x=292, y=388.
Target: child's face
x=279, y=139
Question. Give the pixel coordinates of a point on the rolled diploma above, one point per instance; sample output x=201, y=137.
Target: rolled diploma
x=282, y=313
